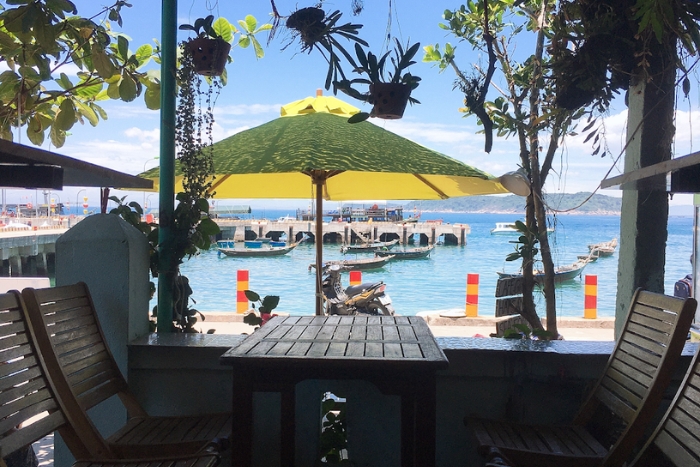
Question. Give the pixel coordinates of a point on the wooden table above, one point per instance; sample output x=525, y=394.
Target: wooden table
x=398, y=354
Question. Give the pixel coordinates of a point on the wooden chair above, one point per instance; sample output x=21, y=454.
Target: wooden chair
x=620, y=406
x=29, y=409
x=676, y=441
x=85, y=374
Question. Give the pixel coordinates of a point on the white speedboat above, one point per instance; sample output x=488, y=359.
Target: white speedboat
x=504, y=228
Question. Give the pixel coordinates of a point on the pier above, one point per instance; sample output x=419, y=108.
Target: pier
x=28, y=252
x=346, y=232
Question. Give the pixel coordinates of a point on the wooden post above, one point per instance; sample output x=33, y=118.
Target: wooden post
x=242, y=285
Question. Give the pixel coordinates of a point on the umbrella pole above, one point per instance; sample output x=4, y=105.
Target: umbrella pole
x=319, y=244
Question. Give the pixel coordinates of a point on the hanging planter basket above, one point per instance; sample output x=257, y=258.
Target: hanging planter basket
x=389, y=99
x=209, y=55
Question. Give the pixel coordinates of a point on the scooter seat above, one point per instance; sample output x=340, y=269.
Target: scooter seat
x=356, y=289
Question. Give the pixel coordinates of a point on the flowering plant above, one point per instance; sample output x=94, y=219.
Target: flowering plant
x=264, y=313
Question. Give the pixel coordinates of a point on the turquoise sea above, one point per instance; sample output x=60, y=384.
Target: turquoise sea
x=439, y=282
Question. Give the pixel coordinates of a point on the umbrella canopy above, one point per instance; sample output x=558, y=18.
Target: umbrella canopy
x=311, y=151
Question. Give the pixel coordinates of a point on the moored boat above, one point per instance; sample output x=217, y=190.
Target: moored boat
x=604, y=249
x=368, y=247
x=358, y=264
x=257, y=252
x=561, y=273
x=504, y=228
x=407, y=253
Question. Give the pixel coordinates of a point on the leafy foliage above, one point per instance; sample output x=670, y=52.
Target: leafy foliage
x=525, y=245
x=39, y=38
x=264, y=313
x=226, y=31
x=375, y=70
x=317, y=31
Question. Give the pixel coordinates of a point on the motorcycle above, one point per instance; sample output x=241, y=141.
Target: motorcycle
x=368, y=298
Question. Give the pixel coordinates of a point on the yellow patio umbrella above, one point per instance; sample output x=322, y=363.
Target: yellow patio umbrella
x=311, y=151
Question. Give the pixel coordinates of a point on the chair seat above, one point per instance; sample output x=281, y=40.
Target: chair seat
x=538, y=445
x=169, y=436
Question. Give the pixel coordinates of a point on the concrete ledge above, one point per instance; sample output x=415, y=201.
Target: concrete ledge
x=438, y=319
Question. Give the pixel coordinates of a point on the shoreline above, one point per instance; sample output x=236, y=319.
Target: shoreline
x=573, y=329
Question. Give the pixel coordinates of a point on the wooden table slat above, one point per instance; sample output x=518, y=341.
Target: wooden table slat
x=358, y=333
x=406, y=333
x=342, y=333
x=412, y=350
x=355, y=349
x=374, y=349
x=390, y=333
x=347, y=320
x=393, y=350
x=318, y=349
x=281, y=348
x=299, y=349
x=374, y=332
x=337, y=349
x=310, y=332
x=327, y=331
x=262, y=348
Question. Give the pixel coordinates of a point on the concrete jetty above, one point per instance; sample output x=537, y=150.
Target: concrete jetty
x=345, y=232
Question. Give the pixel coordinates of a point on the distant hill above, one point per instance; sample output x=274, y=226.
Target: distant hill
x=598, y=204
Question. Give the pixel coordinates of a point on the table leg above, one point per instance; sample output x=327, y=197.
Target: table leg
x=424, y=436
x=242, y=430
x=288, y=428
x=408, y=428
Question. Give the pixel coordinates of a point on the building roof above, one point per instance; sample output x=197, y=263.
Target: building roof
x=29, y=167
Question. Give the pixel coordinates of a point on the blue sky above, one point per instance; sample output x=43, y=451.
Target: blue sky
x=128, y=140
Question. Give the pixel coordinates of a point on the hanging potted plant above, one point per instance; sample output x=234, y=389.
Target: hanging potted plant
x=388, y=91
x=210, y=49
x=317, y=31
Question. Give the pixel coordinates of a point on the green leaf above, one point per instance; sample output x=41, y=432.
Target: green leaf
x=208, y=227
x=88, y=91
x=259, y=52
x=87, y=112
x=64, y=81
x=123, y=47
x=100, y=111
x=244, y=42
x=35, y=131
x=223, y=29
x=65, y=119
x=358, y=117
x=143, y=54
x=152, y=97
x=127, y=88
x=58, y=136
x=102, y=63
x=251, y=296
x=270, y=302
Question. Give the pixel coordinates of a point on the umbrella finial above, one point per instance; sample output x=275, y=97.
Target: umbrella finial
x=319, y=92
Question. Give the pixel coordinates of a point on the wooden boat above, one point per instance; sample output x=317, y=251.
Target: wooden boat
x=368, y=247
x=257, y=252
x=407, y=253
x=590, y=257
x=561, y=274
x=359, y=264
x=604, y=248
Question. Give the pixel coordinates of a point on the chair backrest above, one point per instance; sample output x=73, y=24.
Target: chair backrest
x=78, y=360
x=25, y=391
x=677, y=438
x=66, y=316
x=625, y=399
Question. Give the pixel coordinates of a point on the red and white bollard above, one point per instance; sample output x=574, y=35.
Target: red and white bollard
x=590, y=302
x=472, y=305
x=241, y=287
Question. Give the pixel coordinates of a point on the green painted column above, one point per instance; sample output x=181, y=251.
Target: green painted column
x=167, y=266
